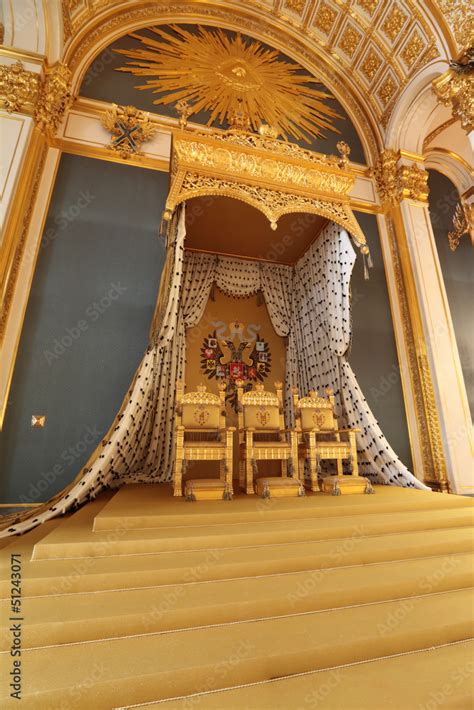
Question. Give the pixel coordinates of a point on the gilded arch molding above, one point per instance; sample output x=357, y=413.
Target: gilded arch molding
x=100, y=31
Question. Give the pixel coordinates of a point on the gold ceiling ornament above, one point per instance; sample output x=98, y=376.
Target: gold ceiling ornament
x=19, y=88
x=463, y=224
x=130, y=127
x=396, y=182
x=459, y=16
x=234, y=79
x=54, y=99
x=455, y=88
x=271, y=175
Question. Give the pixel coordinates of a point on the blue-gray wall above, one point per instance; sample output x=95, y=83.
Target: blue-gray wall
x=374, y=355
x=458, y=272
x=87, y=321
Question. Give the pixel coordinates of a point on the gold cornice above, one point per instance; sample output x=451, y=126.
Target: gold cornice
x=409, y=155
x=22, y=55
x=103, y=153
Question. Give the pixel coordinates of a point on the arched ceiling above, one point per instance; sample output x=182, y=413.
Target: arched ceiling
x=379, y=45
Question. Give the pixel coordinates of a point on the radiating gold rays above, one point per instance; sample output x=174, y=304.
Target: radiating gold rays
x=228, y=74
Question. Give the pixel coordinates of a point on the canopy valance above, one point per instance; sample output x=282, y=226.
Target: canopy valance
x=274, y=176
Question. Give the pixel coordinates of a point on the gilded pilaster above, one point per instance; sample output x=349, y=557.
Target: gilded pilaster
x=38, y=100
x=396, y=181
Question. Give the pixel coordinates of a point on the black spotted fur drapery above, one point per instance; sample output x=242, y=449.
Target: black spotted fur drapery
x=308, y=304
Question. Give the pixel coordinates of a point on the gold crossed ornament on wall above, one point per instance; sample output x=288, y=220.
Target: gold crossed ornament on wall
x=130, y=127
x=234, y=78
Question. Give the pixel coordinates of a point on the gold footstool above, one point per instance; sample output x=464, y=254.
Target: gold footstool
x=207, y=489
x=279, y=487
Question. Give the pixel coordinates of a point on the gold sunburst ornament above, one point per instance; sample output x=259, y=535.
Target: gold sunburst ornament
x=227, y=76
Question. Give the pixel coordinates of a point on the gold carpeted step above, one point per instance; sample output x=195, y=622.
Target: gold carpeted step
x=143, y=668
x=431, y=679
x=126, y=541
x=146, y=506
x=42, y=577
x=59, y=619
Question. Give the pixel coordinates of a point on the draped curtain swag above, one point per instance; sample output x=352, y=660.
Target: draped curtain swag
x=309, y=306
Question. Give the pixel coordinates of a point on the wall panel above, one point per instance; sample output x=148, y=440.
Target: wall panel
x=86, y=324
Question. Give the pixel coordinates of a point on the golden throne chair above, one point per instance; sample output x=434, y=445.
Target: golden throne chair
x=321, y=439
x=263, y=437
x=202, y=435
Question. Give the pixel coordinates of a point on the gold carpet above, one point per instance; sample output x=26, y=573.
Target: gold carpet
x=332, y=602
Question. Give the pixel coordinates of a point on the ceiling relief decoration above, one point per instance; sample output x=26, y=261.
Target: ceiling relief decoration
x=232, y=78
x=373, y=47
x=455, y=89
x=459, y=15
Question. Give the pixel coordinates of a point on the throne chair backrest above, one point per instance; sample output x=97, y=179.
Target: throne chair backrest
x=261, y=410
x=316, y=412
x=200, y=409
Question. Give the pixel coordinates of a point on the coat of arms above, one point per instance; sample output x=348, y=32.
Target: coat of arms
x=247, y=360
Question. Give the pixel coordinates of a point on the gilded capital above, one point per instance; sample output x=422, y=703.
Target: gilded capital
x=413, y=182
x=396, y=182
x=54, y=98
x=455, y=89
x=19, y=88
x=385, y=176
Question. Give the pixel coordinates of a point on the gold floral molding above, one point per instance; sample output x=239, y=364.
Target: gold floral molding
x=455, y=88
x=459, y=16
x=396, y=182
x=45, y=97
x=271, y=175
x=19, y=88
x=54, y=99
x=129, y=127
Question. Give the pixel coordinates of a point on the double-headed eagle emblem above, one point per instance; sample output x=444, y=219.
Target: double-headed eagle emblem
x=235, y=364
